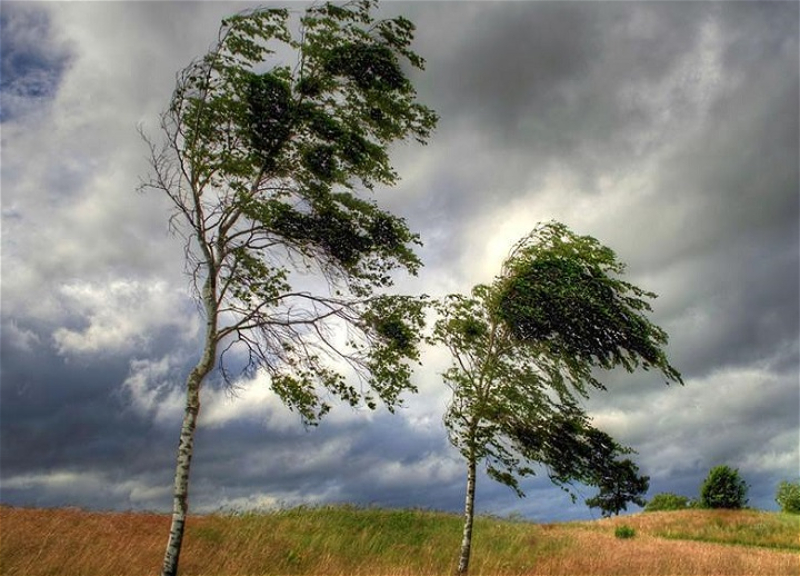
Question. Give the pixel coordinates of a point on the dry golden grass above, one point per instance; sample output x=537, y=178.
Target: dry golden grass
x=345, y=540
x=70, y=541
x=744, y=527
x=603, y=554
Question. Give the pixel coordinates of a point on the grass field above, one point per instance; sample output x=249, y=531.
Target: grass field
x=348, y=540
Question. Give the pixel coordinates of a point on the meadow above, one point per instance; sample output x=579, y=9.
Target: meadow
x=339, y=540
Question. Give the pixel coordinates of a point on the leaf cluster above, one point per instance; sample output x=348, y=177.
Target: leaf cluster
x=574, y=451
x=788, y=497
x=562, y=291
x=620, y=485
x=667, y=501
x=324, y=121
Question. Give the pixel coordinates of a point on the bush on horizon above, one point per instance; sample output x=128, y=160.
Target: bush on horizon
x=788, y=497
x=667, y=501
x=723, y=488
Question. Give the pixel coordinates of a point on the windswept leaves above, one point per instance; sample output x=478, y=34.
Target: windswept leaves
x=561, y=290
x=396, y=324
x=269, y=121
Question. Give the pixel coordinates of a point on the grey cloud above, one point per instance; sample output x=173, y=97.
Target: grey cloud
x=61, y=413
x=547, y=80
x=569, y=102
x=77, y=210
x=743, y=417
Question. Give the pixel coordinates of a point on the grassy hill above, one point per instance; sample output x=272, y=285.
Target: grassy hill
x=347, y=540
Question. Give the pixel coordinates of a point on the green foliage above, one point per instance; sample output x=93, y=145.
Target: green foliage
x=624, y=532
x=620, y=485
x=788, y=497
x=266, y=162
x=561, y=291
x=667, y=501
x=723, y=488
x=572, y=450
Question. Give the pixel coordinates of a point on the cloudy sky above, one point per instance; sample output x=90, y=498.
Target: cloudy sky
x=669, y=131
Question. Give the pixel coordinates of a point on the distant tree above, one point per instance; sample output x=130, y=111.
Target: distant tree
x=667, y=501
x=723, y=488
x=266, y=167
x=788, y=497
x=525, y=349
x=619, y=484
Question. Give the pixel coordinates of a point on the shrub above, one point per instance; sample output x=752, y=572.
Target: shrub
x=788, y=497
x=723, y=488
x=624, y=532
x=667, y=501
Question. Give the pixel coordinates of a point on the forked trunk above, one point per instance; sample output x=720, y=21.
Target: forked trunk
x=469, y=515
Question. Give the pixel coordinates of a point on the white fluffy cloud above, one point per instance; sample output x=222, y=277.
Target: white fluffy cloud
x=122, y=316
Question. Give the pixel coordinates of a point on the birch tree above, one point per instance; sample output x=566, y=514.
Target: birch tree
x=525, y=351
x=272, y=148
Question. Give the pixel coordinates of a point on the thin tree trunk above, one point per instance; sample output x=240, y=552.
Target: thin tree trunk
x=180, y=494
x=469, y=515
x=180, y=498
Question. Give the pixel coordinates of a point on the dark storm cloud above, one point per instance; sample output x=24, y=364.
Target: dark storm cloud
x=741, y=174
x=599, y=89
x=547, y=81
x=749, y=310
x=68, y=414
x=383, y=460
x=363, y=461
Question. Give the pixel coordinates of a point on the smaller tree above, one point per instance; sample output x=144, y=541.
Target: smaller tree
x=788, y=497
x=723, y=488
x=525, y=351
x=619, y=485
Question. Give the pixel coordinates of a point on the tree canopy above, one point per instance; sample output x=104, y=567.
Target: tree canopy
x=272, y=168
x=723, y=488
x=563, y=292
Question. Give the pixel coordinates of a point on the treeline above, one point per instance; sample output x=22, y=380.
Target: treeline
x=724, y=488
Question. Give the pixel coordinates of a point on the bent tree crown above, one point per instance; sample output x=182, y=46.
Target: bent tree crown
x=267, y=169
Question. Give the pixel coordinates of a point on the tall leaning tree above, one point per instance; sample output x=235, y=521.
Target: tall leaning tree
x=525, y=352
x=272, y=146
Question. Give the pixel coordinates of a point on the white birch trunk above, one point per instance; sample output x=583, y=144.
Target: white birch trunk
x=469, y=515
x=180, y=499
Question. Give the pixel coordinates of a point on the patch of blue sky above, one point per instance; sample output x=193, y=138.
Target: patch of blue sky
x=32, y=65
